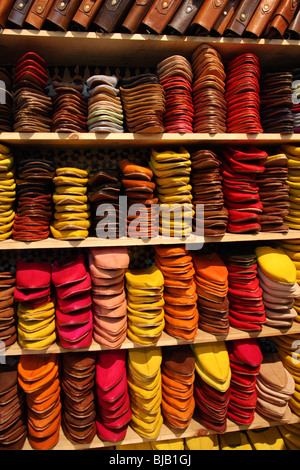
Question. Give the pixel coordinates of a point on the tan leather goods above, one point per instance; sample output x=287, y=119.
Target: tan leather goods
x=86, y=12
x=159, y=15
x=19, y=12
x=261, y=18
x=224, y=18
x=5, y=9
x=38, y=13
x=112, y=14
x=133, y=20
x=184, y=16
x=282, y=17
x=207, y=15
x=62, y=12
x=293, y=30
x=241, y=18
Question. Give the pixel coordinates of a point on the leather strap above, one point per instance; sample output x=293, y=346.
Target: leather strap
x=225, y=17
x=5, y=9
x=62, y=12
x=19, y=12
x=112, y=14
x=283, y=16
x=159, y=15
x=207, y=16
x=241, y=18
x=293, y=31
x=38, y=13
x=184, y=16
x=86, y=12
x=261, y=17
x=135, y=16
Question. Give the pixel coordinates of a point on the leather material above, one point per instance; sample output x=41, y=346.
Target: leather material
x=61, y=13
x=225, y=17
x=207, y=16
x=159, y=15
x=38, y=13
x=282, y=17
x=5, y=9
x=261, y=18
x=133, y=20
x=19, y=12
x=184, y=16
x=111, y=14
x=293, y=30
x=241, y=18
x=86, y=12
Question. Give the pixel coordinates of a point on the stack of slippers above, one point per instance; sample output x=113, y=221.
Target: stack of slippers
x=13, y=424
x=177, y=378
x=243, y=95
x=246, y=305
x=181, y=313
x=145, y=391
x=245, y=362
x=7, y=192
x=104, y=187
x=113, y=413
x=105, y=112
x=139, y=188
x=276, y=102
x=172, y=171
x=6, y=104
x=107, y=270
x=290, y=434
x=292, y=248
x=143, y=102
x=78, y=398
x=8, y=318
x=34, y=199
x=145, y=305
x=206, y=181
x=32, y=105
x=240, y=188
x=69, y=107
x=36, y=313
x=39, y=377
x=208, y=87
x=211, y=278
x=212, y=384
x=71, y=205
x=278, y=280
x=274, y=387
x=274, y=194
x=74, y=316
x=292, y=152
x=266, y=439
x=176, y=76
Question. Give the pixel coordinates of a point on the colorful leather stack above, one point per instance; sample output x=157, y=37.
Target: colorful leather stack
x=36, y=312
x=112, y=396
x=277, y=278
x=274, y=387
x=8, y=319
x=207, y=190
x=38, y=375
x=208, y=87
x=7, y=192
x=241, y=192
x=177, y=376
x=143, y=102
x=145, y=305
x=211, y=278
x=140, y=189
x=243, y=95
x=175, y=75
x=78, y=398
x=212, y=383
x=145, y=391
x=6, y=102
x=32, y=105
x=291, y=435
x=105, y=112
x=245, y=361
x=274, y=194
x=246, y=306
x=13, y=423
x=292, y=153
x=69, y=107
x=292, y=248
x=107, y=269
x=34, y=199
x=71, y=211
x=74, y=316
x=172, y=171
x=181, y=314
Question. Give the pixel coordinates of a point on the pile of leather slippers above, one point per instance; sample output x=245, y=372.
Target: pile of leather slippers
x=245, y=362
x=74, y=314
x=212, y=382
x=292, y=153
x=105, y=112
x=36, y=312
x=291, y=248
x=78, y=382
x=71, y=205
x=7, y=192
x=107, y=269
x=145, y=305
x=69, y=107
x=38, y=376
x=290, y=434
x=178, y=375
x=145, y=391
x=13, y=423
x=113, y=402
x=181, y=314
x=32, y=105
x=8, y=319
